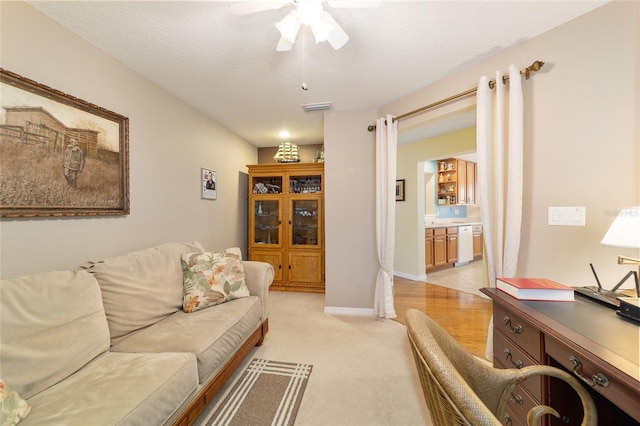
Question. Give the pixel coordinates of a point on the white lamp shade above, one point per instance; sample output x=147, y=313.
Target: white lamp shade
x=625, y=229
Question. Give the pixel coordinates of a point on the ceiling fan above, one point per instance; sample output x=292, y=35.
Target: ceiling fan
x=309, y=13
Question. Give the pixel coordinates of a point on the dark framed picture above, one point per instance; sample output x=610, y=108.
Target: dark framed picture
x=208, y=184
x=400, y=190
x=59, y=155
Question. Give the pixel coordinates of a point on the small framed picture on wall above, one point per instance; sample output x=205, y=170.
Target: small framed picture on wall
x=208, y=184
x=400, y=190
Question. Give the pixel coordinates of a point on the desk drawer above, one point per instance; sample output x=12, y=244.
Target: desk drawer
x=510, y=418
x=519, y=331
x=607, y=385
x=508, y=355
x=520, y=402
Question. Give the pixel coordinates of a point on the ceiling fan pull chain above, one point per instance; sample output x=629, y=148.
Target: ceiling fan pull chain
x=304, y=50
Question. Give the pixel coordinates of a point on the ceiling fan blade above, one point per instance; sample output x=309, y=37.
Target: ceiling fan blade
x=337, y=37
x=247, y=7
x=354, y=3
x=284, y=45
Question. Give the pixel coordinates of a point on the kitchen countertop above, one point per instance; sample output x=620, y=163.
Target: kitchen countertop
x=443, y=224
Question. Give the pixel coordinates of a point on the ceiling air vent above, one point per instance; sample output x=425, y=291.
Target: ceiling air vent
x=320, y=106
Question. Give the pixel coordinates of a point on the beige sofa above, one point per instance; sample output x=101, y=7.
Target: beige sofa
x=109, y=343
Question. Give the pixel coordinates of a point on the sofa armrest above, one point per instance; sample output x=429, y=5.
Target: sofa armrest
x=259, y=276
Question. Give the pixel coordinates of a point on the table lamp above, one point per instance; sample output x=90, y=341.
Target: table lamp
x=625, y=232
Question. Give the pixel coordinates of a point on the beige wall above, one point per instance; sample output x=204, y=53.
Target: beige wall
x=307, y=153
x=350, y=237
x=581, y=137
x=169, y=142
x=581, y=142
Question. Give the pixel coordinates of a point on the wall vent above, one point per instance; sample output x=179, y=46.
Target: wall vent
x=320, y=106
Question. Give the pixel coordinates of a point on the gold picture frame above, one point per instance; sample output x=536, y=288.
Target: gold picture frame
x=59, y=155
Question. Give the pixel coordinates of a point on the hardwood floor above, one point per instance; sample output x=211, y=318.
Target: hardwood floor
x=465, y=316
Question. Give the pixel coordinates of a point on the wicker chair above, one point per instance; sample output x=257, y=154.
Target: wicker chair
x=461, y=390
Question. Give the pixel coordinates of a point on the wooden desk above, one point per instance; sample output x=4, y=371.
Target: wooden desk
x=582, y=337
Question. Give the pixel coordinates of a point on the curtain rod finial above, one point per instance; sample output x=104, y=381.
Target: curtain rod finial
x=535, y=66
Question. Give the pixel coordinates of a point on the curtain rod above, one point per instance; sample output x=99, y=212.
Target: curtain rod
x=535, y=66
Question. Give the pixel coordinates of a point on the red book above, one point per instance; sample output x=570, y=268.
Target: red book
x=535, y=289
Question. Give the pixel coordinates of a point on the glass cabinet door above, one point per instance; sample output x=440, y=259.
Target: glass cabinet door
x=266, y=216
x=305, y=184
x=305, y=221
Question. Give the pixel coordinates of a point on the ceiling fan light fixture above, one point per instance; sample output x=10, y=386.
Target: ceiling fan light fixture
x=309, y=11
x=311, y=14
x=323, y=27
x=289, y=27
x=336, y=37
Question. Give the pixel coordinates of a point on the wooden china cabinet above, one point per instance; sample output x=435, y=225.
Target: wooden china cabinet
x=286, y=223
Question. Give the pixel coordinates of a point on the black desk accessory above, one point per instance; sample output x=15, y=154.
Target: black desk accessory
x=608, y=298
x=630, y=309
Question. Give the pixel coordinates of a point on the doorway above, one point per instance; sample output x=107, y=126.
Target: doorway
x=449, y=135
x=466, y=277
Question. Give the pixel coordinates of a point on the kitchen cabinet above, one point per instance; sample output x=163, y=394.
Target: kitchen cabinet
x=478, y=242
x=471, y=183
x=428, y=249
x=286, y=220
x=462, y=182
x=441, y=247
x=457, y=182
x=452, y=244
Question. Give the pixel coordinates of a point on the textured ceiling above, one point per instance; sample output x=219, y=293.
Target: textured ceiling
x=227, y=67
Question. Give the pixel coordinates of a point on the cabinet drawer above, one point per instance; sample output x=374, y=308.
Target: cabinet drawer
x=452, y=230
x=428, y=232
x=510, y=418
x=593, y=376
x=508, y=355
x=519, y=331
x=440, y=231
x=520, y=402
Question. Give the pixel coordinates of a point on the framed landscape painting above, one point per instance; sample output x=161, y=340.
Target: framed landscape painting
x=59, y=155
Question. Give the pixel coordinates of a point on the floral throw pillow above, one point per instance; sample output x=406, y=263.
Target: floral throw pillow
x=12, y=407
x=212, y=278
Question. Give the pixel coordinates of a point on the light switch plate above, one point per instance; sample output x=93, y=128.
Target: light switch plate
x=567, y=216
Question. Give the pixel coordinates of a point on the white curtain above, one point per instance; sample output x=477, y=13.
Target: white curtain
x=500, y=146
x=386, y=151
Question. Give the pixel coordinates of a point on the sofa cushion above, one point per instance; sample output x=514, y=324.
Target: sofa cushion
x=141, y=288
x=12, y=407
x=212, y=334
x=212, y=278
x=118, y=389
x=52, y=324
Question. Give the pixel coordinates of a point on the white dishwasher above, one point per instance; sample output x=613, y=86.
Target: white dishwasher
x=465, y=245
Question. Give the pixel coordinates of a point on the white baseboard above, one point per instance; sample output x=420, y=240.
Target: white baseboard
x=422, y=277
x=353, y=312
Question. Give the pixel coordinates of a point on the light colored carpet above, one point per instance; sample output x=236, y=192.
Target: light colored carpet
x=363, y=370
